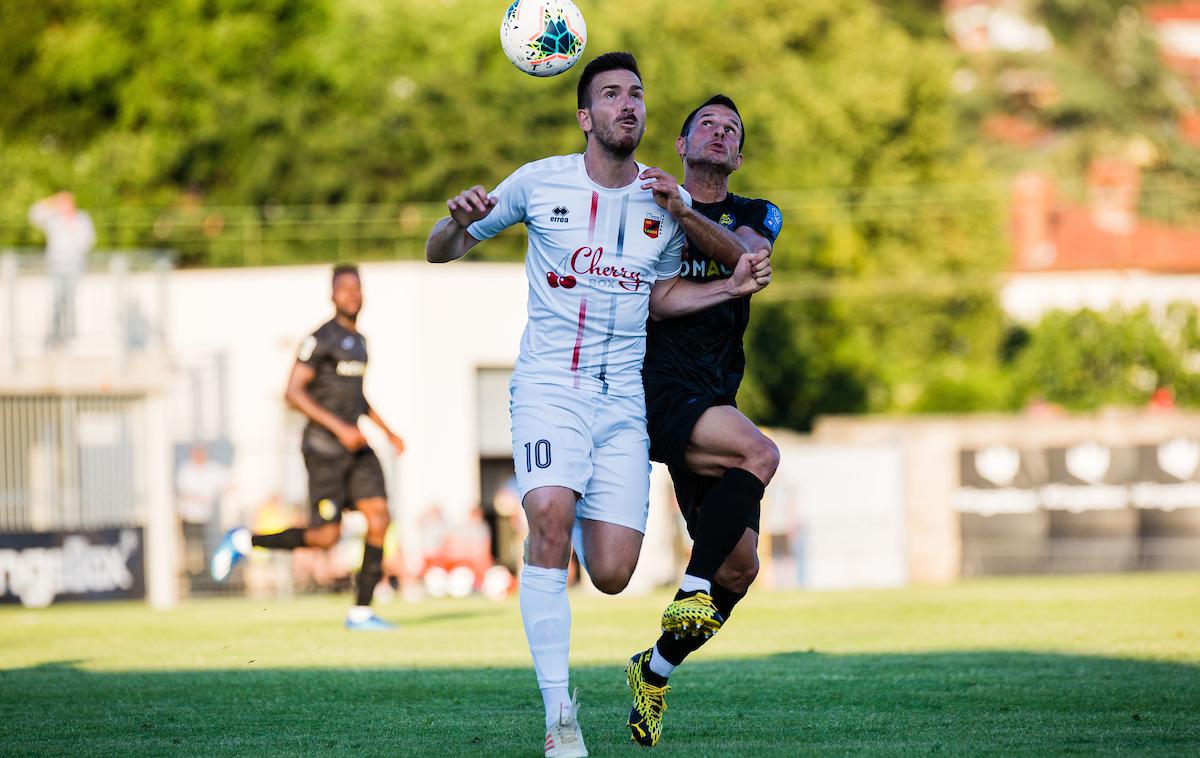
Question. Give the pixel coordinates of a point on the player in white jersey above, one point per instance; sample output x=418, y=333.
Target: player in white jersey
x=605, y=237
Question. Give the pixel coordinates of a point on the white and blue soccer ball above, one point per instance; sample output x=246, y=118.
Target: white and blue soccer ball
x=543, y=37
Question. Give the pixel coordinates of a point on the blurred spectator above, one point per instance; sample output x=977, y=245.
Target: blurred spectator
x=70, y=236
x=511, y=526
x=470, y=545
x=199, y=483
x=432, y=528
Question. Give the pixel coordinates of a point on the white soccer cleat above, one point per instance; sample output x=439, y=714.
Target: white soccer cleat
x=564, y=739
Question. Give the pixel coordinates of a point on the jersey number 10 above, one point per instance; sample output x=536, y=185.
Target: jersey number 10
x=537, y=454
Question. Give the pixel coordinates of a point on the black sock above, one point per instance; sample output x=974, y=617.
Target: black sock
x=370, y=573
x=288, y=539
x=724, y=515
x=675, y=650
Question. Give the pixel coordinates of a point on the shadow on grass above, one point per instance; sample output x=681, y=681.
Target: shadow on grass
x=990, y=702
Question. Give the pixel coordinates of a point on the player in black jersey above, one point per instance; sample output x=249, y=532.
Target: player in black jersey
x=326, y=385
x=720, y=462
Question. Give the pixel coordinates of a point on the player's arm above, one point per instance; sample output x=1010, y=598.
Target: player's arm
x=449, y=239
x=754, y=241
x=761, y=223
x=396, y=440
x=716, y=241
x=297, y=395
x=674, y=297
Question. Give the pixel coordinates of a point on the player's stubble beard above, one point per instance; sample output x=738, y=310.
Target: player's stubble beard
x=618, y=146
x=699, y=161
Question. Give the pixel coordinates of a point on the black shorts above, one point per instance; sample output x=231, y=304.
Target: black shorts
x=671, y=415
x=340, y=481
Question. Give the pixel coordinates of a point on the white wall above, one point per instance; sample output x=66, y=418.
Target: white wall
x=1026, y=297
x=428, y=328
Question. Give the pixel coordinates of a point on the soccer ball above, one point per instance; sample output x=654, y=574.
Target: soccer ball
x=543, y=37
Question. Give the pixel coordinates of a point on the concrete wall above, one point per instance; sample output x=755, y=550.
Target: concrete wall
x=932, y=449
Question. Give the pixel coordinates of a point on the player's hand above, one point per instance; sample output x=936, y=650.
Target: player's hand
x=752, y=273
x=351, y=437
x=470, y=205
x=397, y=442
x=666, y=190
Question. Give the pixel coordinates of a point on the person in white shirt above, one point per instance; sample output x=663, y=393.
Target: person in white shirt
x=70, y=236
x=605, y=237
x=199, y=483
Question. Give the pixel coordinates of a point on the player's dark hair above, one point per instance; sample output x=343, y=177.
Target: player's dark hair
x=597, y=66
x=345, y=268
x=714, y=100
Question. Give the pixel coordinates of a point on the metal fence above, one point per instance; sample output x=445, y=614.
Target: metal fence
x=71, y=462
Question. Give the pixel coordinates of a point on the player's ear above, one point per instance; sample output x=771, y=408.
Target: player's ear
x=737, y=162
x=681, y=146
x=584, y=116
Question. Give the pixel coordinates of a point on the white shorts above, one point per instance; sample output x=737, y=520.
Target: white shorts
x=592, y=443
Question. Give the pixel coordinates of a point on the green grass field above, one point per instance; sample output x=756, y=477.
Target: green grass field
x=1078, y=665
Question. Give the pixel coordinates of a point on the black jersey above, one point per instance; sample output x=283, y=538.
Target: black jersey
x=339, y=358
x=703, y=350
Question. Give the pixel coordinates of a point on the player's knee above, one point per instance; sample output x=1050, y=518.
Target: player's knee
x=548, y=517
x=762, y=458
x=740, y=569
x=378, y=519
x=610, y=581
x=323, y=536
x=738, y=576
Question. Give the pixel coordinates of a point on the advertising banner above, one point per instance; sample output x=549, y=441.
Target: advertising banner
x=38, y=568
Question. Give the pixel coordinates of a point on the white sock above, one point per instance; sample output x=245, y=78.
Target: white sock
x=695, y=584
x=546, y=615
x=577, y=543
x=358, y=614
x=660, y=665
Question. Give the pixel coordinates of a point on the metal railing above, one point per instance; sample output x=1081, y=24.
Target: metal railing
x=116, y=309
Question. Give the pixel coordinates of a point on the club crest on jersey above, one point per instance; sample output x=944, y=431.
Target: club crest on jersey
x=652, y=225
x=347, y=343
x=327, y=509
x=726, y=220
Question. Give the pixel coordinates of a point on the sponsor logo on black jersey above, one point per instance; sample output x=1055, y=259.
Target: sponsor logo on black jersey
x=560, y=214
x=351, y=368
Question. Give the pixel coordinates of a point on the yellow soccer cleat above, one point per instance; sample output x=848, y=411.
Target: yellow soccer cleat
x=692, y=616
x=649, y=703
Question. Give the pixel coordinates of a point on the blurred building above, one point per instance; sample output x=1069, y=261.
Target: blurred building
x=1098, y=253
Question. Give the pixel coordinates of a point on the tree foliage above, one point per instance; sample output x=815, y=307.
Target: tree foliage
x=884, y=297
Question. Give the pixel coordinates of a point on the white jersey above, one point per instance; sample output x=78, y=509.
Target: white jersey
x=594, y=253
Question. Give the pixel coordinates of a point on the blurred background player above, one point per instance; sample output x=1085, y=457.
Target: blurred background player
x=326, y=385
x=603, y=253
x=720, y=462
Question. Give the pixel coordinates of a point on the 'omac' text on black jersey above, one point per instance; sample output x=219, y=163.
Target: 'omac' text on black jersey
x=338, y=357
x=703, y=350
